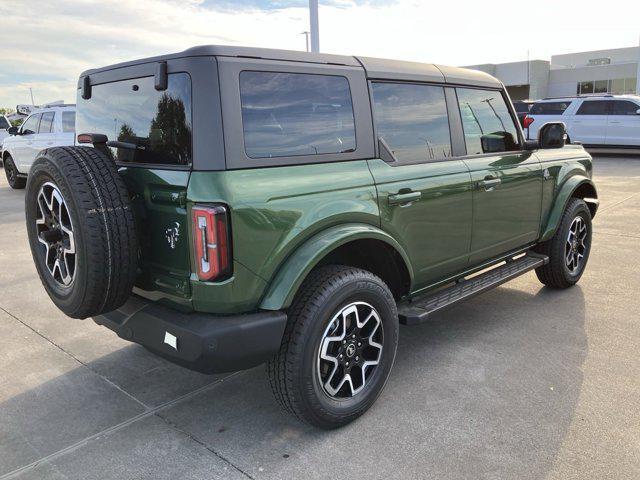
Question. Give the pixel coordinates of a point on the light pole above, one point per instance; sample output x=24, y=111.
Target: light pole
x=306, y=37
x=313, y=21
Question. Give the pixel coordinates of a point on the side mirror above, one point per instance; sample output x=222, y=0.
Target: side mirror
x=552, y=135
x=12, y=130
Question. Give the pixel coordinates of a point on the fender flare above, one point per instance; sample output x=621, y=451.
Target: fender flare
x=561, y=200
x=286, y=282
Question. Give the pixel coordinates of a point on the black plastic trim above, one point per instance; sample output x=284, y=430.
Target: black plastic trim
x=205, y=343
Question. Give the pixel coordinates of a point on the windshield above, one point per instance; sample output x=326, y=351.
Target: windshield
x=153, y=126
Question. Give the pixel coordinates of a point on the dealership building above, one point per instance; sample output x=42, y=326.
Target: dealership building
x=613, y=71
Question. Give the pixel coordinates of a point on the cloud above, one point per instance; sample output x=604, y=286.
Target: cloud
x=46, y=44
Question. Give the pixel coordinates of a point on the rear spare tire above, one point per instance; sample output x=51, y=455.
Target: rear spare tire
x=81, y=230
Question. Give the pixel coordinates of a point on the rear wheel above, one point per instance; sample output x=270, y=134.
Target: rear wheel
x=81, y=230
x=15, y=180
x=568, y=250
x=338, y=348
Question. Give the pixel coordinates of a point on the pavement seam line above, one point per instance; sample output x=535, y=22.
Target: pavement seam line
x=204, y=445
x=618, y=235
x=71, y=355
x=114, y=428
x=618, y=203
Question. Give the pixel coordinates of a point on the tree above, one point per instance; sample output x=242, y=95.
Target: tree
x=170, y=131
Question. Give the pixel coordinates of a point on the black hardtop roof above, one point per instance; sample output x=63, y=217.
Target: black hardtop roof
x=377, y=68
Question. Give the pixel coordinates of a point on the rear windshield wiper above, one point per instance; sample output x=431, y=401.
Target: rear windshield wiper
x=125, y=145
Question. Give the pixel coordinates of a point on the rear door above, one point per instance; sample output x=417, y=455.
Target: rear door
x=154, y=127
x=589, y=125
x=424, y=193
x=507, y=180
x=623, y=125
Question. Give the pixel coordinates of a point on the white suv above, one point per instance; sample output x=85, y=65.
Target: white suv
x=594, y=120
x=48, y=127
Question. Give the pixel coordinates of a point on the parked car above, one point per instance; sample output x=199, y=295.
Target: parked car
x=48, y=127
x=522, y=109
x=611, y=121
x=4, y=126
x=228, y=206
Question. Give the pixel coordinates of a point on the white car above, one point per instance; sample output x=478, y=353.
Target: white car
x=48, y=127
x=610, y=121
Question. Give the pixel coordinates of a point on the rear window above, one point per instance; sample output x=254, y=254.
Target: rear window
x=157, y=123
x=4, y=124
x=522, y=107
x=290, y=114
x=593, y=108
x=549, y=108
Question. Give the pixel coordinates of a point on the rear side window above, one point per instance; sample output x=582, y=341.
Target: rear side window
x=593, y=108
x=624, y=107
x=290, y=114
x=30, y=125
x=549, y=108
x=46, y=123
x=488, y=126
x=154, y=125
x=413, y=120
x=4, y=124
x=68, y=121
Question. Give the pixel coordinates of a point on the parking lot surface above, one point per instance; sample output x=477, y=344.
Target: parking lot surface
x=522, y=382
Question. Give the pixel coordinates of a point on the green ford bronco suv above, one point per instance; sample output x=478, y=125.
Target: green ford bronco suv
x=227, y=207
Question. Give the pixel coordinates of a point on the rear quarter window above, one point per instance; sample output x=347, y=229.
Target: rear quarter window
x=292, y=114
x=549, y=108
x=157, y=123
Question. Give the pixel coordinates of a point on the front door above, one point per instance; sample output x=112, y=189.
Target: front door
x=24, y=143
x=589, y=124
x=424, y=195
x=507, y=180
x=623, y=126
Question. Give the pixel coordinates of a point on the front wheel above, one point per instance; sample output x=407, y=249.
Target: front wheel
x=568, y=250
x=338, y=347
x=13, y=177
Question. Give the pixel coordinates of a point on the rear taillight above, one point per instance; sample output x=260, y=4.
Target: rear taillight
x=527, y=121
x=211, y=242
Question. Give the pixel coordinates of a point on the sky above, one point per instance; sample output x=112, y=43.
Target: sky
x=47, y=43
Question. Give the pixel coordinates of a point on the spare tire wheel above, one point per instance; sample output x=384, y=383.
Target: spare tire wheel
x=81, y=230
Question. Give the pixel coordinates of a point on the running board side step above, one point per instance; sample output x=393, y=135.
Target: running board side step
x=420, y=309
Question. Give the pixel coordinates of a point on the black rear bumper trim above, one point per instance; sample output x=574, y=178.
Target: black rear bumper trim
x=203, y=342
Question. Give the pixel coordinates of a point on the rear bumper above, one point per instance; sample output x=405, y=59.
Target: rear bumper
x=203, y=342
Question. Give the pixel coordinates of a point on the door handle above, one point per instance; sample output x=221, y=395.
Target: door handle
x=614, y=121
x=489, y=183
x=404, y=198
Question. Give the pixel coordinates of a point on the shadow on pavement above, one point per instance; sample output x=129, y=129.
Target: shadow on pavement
x=487, y=389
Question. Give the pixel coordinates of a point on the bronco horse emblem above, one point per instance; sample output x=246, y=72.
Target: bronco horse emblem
x=172, y=234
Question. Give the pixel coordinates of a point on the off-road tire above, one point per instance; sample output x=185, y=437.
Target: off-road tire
x=15, y=181
x=292, y=371
x=103, y=228
x=556, y=274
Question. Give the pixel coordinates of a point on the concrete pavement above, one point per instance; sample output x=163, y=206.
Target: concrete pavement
x=520, y=383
